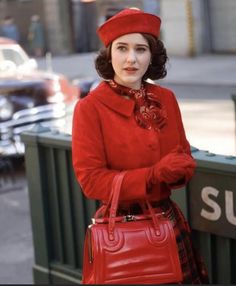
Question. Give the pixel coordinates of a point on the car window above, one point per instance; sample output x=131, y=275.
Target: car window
x=12, y=55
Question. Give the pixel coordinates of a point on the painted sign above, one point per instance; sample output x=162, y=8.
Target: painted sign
x=213, y=203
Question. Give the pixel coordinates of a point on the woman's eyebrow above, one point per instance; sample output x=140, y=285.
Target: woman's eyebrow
x=121, y=43
x=142, y=45
x=126, y=44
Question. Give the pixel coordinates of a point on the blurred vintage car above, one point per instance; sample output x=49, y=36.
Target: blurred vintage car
x=29, y=96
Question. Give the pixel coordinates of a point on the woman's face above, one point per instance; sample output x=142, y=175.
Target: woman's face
x=130, y=58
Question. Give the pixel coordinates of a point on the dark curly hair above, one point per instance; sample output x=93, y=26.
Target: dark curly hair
x=156, y=70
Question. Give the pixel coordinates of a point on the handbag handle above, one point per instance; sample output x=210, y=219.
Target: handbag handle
x=104, y=210
x=113, y=202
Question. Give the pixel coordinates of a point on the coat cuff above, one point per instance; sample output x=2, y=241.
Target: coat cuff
x=134, y=185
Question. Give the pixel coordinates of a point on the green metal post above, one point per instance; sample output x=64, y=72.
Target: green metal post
x=40, y=237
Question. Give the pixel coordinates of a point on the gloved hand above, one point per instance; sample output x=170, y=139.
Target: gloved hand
x=174, y=167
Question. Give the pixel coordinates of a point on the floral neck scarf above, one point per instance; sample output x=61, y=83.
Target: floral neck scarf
x=149, y=112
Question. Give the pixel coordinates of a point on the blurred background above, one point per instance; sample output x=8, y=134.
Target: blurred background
x=191, y=27
x=191, y=31
x=200, y=37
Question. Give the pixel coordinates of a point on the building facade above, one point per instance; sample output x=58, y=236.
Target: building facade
x=190, y=27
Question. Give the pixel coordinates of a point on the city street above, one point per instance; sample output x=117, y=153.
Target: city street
x=203, y=87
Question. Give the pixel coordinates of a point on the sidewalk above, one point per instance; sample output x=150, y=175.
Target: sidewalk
x=203, y=69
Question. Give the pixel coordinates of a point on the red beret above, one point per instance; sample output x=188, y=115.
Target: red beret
x=129, y=21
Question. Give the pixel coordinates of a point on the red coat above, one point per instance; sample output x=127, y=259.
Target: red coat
x=106, y=139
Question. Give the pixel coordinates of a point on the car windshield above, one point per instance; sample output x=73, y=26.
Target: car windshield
x=12, y=55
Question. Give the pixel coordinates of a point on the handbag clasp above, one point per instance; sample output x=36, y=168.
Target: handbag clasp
x=128, y=218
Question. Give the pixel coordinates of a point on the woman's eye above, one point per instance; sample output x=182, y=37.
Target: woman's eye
x=141, y=50
x=121, y=48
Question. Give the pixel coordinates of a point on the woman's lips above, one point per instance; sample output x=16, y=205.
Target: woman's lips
x=130, y=70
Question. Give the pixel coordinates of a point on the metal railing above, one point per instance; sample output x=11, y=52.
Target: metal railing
x=60, y=213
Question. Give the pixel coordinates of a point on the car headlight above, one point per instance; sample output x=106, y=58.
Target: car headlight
x=6, y=109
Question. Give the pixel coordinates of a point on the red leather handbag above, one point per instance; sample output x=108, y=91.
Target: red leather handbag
x=139, y=249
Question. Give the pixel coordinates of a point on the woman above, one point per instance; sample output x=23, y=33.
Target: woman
x=129, y=124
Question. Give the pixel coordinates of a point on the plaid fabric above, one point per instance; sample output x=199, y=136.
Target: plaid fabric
x=193, y=268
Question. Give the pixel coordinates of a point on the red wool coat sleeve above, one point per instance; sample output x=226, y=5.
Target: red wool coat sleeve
x=89, y=159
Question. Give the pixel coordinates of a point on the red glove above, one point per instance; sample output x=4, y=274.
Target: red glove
x=174, y=167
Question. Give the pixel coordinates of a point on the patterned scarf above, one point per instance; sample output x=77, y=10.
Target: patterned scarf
x=149, y=112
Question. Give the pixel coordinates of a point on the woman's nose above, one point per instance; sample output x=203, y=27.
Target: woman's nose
x=131, y=57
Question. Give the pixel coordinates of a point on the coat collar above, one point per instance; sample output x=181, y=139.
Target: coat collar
x=107, y=96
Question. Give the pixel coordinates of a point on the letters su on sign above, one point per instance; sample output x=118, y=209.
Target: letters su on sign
x=216, y=212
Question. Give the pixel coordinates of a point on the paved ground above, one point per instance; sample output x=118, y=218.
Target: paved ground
x=203, y=86
x=16, y=248
x=208, y=116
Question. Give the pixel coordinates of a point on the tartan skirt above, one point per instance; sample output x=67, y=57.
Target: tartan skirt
x=193, y=268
